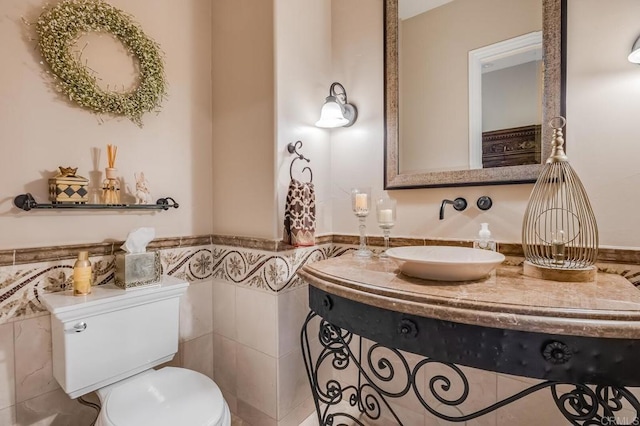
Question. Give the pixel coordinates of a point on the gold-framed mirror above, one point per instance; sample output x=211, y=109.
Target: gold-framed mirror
x=464, y=136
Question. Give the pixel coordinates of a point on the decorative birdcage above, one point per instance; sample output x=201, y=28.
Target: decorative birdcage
x=559, y=231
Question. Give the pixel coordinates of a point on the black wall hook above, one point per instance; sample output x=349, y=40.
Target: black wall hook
x=293, y=149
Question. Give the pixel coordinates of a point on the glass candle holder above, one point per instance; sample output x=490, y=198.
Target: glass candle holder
x=361, y=204
x=386, y=215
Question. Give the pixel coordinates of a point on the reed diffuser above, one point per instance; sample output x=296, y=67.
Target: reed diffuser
x=111, y=185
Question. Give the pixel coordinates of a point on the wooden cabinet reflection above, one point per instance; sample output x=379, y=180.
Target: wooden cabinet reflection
x=511, y=147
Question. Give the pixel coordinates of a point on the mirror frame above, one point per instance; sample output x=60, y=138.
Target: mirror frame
x=554, y=57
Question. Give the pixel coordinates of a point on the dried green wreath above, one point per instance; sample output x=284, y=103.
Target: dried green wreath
x=59, y=28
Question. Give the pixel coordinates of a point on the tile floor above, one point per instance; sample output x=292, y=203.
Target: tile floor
x=237, y=421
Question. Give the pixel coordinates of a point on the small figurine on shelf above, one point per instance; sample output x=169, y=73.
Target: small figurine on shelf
x=143, y=194
x=67, y=187
x=111, y=185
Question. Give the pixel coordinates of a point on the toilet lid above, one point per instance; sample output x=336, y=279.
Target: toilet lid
x=166, y=397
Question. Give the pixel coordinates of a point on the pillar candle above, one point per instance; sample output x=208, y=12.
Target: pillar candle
x=385, y=216
x=361, y=202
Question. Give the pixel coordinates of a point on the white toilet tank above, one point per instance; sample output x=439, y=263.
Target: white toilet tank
x=112, y=334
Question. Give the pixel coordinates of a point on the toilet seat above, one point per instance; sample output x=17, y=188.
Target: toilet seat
x=166, y=397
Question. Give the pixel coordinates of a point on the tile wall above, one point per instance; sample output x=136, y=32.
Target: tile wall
x=29, y=394
x=258, y=310
x=240, y=324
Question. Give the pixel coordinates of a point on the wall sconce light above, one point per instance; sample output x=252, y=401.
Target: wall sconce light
x=634, y=56
x=336, y=111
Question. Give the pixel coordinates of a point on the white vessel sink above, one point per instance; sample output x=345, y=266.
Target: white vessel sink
x=442, y=263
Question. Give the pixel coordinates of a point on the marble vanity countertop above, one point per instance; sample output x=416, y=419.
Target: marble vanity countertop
x=608, y=307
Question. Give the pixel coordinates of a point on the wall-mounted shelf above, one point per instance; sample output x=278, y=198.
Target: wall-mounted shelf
x=26, y=202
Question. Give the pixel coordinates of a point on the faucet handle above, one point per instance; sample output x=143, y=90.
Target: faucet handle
x=459, y=204
x=484, y=202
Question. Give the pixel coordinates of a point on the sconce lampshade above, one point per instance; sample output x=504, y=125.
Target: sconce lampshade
x=331, y=114
x=634, y=56
x=336, y=111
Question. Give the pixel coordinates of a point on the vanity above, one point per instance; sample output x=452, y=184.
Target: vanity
x=581, y=338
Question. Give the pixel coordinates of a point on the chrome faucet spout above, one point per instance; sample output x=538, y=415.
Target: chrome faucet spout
x=459, y=204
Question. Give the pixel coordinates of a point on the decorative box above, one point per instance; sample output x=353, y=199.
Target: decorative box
x=137, y=269
x=68, y=189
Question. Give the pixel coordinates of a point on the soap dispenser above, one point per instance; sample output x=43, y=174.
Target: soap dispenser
x=484, y=240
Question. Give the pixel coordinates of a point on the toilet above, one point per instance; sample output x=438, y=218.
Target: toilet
x=111, y=340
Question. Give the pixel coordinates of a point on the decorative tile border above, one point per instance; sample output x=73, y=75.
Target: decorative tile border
x=21, y=285
x=55, y=253
x=45, y=254
x=605, y=254
x=630, y=272
x=270, y=271
x=261, y=243
x=261, y=264
x=190, y=263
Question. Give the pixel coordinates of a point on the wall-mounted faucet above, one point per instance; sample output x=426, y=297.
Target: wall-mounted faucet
x=459, y=204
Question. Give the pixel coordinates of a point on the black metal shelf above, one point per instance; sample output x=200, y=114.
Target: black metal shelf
x=26, y=202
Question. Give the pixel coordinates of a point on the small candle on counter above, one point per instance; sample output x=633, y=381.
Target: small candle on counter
x=361, y=203
x=385, y=216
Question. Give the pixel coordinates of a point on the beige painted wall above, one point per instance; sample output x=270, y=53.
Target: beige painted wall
x=303, y=65
x=39, y=131
x=434, y=100
x=244, y=117
x=268, y=92
x=356, y=152
x=602, y=106
x=603, y=100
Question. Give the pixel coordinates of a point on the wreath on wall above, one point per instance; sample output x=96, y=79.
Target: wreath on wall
x=59, y=28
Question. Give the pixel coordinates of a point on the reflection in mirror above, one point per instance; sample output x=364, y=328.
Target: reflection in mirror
x=468, y=85
x=505, y=102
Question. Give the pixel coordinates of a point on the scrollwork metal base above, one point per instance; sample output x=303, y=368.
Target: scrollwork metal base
x=369, y=378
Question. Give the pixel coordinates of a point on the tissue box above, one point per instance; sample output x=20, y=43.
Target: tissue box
x=137, y=269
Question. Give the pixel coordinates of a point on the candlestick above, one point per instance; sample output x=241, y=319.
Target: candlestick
x=360, y=205
x=386, y=213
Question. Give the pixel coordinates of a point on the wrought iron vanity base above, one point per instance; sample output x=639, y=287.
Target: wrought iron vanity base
x=586, y=376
